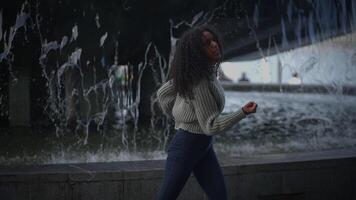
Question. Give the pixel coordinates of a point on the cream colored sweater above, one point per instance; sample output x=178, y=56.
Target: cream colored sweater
x=201, y=115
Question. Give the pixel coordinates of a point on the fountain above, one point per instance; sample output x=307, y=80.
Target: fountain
x=79, y=112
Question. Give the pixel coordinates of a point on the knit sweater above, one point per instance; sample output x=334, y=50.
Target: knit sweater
x=201, y=115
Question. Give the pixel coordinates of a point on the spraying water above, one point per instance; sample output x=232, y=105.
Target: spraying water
x=84, y=105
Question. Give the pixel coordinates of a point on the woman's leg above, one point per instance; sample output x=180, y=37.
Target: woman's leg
x=183, y=153
x=177, y=172
x=209, y=175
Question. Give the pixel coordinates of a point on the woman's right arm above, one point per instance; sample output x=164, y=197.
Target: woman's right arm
x=166, y=97
x=208, y=114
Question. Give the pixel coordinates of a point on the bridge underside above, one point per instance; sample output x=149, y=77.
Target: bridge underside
x=270, y=27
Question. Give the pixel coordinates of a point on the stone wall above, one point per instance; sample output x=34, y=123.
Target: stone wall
x=327, y=175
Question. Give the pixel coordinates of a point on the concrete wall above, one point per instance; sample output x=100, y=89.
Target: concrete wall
x=328, y=175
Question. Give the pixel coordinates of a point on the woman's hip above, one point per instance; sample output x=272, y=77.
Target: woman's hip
x=189, y=143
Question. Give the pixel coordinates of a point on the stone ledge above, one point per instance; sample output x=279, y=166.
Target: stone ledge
x=324, y=175
x=148, y=169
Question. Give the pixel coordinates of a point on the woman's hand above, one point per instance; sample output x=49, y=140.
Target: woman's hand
x=250, y=107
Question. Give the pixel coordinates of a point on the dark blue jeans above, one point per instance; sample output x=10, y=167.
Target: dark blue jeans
x=189, y=152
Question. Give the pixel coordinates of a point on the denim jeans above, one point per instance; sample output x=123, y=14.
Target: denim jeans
x=190, y=152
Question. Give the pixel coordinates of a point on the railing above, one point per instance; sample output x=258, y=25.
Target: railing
x=302, y=88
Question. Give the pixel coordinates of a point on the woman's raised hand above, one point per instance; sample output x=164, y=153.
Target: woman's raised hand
x=250, y=107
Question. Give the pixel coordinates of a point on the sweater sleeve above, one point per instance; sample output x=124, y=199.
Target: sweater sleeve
x=166, y=97
x=208, y=114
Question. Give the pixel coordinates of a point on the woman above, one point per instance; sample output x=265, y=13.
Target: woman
x=194, y=98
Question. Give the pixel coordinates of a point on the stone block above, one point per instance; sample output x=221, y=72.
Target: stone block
x=53, y=191
x=141, y=189
x=105, y=190
x=14, y=191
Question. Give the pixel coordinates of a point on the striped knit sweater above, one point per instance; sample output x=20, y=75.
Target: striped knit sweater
x=201, y=115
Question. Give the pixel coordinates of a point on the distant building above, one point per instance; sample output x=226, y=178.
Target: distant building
x=295, y=80
x=243, y=78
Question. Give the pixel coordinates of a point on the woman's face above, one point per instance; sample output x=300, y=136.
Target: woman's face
x=211, y=47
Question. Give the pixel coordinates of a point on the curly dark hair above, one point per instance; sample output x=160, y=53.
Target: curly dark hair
x=190, y=63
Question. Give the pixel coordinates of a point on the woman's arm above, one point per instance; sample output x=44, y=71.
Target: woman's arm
x=208, y=113
x=166, y=97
